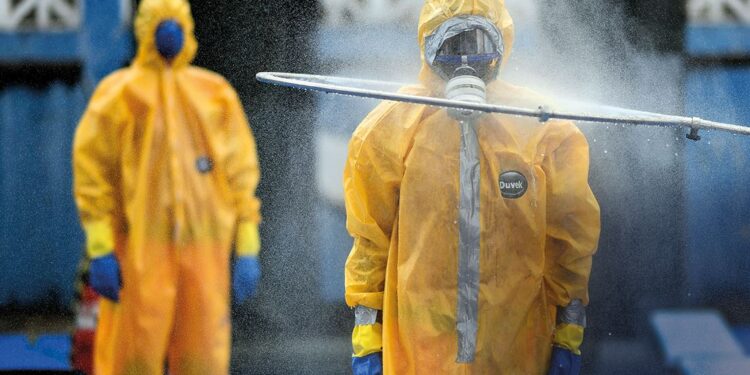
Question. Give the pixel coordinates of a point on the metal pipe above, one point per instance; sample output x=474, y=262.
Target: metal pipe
x=339, y=85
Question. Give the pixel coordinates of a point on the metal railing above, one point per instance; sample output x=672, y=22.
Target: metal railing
x=370, y=11
x=39, y=15
x=719, y=11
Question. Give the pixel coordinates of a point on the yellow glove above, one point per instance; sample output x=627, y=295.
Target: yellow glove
x=99, y=239
x=569, y=336
x=367, y=337
x=248, y=239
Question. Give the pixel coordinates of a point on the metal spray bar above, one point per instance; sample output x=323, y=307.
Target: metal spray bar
x=340, y=85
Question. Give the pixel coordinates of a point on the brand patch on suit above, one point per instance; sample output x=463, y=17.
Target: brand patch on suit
x=204, y=164
x=513, y=184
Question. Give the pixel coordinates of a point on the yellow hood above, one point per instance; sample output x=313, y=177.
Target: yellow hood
x=150, y=14
x=435, y=12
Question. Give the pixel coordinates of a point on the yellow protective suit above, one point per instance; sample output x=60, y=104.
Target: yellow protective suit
x=402, y=199
x=165, y=173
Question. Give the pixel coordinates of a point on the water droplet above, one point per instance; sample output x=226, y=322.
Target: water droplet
x=605, y=151
x=675, y=154
x=709, y=143
x=648, y=139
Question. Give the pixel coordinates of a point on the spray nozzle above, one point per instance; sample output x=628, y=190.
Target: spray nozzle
x=693, y=135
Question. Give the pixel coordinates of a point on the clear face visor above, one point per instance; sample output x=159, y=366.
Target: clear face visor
x=470, y=42
x=465, y=45
x=471, y=52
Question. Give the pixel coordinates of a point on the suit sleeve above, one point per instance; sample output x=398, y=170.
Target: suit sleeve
x=372, y=178
x=96, y=151
x=573, y=222
x=241, y=161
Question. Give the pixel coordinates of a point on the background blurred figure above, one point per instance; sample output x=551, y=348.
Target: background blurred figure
x=470, y=230
x=165, y=175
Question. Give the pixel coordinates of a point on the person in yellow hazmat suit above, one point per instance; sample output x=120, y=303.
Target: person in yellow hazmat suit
x=473, y=233
x=165, y=172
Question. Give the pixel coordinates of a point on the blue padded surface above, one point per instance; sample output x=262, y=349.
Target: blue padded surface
x=694, y=334
x=742, y=334
x=715, y=366
x=50, y=352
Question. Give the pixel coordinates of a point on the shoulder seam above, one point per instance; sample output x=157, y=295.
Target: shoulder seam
x=364, y=137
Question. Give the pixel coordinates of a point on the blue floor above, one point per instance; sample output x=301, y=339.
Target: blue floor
x=52, y=352
x=46, y=353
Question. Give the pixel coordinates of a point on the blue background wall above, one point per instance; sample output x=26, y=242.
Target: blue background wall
x=39, y=235
x=717, y=169
x=40, y=239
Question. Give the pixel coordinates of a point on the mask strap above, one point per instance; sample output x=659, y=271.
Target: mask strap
x=470, y=59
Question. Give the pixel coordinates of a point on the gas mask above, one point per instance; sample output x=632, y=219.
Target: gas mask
x=466, y=51
x=169, y=39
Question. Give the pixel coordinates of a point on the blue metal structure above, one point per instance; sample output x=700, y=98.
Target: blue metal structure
x=717, y=40
x=40, y=238
x=717, y=199
x=47, y=353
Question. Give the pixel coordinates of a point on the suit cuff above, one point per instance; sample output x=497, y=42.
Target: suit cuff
x=367, y=337
x=248, y=239
x=99, y=238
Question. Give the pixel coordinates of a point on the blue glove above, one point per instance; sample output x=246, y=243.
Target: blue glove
x=104, y=277
x=245, y=278
x=371, y=364
x=564, y=362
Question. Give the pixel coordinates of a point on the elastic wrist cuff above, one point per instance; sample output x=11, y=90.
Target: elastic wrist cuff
x=248, y=239
x=364, y=316
x=99, y=238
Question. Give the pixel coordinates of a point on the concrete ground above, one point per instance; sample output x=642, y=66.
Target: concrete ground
x=329, y=352
x=313, y=355
x=251, y=354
